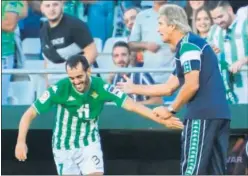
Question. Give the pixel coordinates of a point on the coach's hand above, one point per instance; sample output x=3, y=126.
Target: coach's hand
x=173, y=123
x=163, y=112
x=127, y=86
x=21, y=151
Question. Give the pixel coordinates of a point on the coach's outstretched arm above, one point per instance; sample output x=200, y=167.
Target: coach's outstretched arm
x=172, y=122
x=187, y=91
x=156, y=90
x=21, y=146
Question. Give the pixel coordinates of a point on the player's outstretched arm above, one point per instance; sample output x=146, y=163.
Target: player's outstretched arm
x=172, y=122
x=156, y=90
x=21, y=146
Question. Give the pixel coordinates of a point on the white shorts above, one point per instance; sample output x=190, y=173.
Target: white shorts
x=84, y=160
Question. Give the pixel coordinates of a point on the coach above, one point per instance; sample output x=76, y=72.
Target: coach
x=207, y=119
x=63, y=36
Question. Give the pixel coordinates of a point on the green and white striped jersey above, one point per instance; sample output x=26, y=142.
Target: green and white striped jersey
x=233, y=42
x=233, y=45
x=77, y=113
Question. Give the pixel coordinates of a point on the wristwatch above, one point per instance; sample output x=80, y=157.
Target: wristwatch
x=171, y=110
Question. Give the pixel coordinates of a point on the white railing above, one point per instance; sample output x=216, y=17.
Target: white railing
x=95, y=70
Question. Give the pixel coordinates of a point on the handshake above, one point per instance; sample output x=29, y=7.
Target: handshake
x=166, y=118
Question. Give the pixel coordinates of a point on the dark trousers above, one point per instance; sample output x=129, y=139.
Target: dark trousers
x=204, y=147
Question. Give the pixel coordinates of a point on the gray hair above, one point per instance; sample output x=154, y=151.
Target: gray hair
x=175, y=15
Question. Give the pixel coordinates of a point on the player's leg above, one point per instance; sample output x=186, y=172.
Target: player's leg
x=220, y=149
x=90, y=159
x=197, y=142
x=64, y=162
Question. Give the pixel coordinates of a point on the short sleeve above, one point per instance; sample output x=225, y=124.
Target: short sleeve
x=135, y=35
x=111, y=93
x=45, y=102
x=190, y=57
x=14, y=6
x=81, y=34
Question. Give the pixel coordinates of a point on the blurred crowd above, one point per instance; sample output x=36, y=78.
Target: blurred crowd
x=125, y=34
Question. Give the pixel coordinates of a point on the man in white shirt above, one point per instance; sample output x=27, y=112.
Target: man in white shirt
x=144, y=36
x=242, y=12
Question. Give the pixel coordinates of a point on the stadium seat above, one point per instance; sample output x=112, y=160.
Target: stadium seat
x=34, y=64
x=98, y=43
x=110, y=43
x=37, y=80
x=31, y=48
x=104, y=61
x=21, y=92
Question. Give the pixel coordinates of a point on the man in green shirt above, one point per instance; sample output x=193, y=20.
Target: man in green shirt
x=79, y=100
x=229, y=35
x=11, y=11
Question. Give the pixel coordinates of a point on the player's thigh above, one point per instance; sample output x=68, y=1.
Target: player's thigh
x=64, y=162
x=197, y=141
x=92, y=162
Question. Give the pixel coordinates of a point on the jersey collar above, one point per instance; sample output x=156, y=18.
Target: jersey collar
x=183, y=39
x=233, y=23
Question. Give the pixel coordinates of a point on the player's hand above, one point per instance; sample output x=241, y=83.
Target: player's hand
x=153, y=47
x=21, y=151
x=235, y=67
x=216, y=49
x=127, y=86
x=173, y=123
x=162, y=111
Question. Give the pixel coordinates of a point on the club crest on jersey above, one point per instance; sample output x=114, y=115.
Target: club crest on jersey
x=94, y=95
x=44, y=97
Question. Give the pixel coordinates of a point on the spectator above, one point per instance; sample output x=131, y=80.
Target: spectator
x=131, y=4
x=181, y=3
x=63, y=36
x=119, y=21
x=121, y=58
x=74, y=8
x=129, y=18
x=230, y=36
x=243, y=12
x=144, y=36
x=19, y=59
x=70, y=7
x=100, y=19
x=203, y=22
x=146, y=4
x=191, y=8
x=32, y=23
x=12, y=11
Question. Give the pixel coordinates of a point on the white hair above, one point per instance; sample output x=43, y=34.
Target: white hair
x=175, y=15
